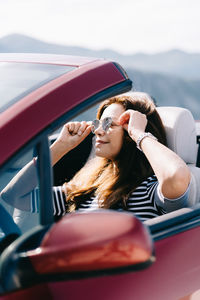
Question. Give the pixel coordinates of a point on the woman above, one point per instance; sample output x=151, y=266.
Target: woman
x=133, y=170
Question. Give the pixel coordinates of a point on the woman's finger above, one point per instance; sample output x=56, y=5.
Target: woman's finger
x=124, y=118
x=86, y=132
x=125, y=126
x=81, y=137
x=82, y=127
x=77, y=125
x=70, y=127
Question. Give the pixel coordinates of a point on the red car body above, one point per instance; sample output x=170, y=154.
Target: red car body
x=101, y=255
x=91, y=76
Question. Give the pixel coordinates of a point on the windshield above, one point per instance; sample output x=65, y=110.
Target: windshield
x=19, y=79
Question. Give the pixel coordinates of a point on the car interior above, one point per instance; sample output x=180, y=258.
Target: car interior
x=182, y=138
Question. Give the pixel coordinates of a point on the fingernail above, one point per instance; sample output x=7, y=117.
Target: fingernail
x=79, y=132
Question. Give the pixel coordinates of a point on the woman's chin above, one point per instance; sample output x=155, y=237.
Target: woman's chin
x=100, y=153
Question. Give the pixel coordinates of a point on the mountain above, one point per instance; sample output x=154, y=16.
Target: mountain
x=174, y=62
x=172, y=78
x=168, y=90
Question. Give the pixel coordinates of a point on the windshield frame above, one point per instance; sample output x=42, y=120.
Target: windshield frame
x=34, y=76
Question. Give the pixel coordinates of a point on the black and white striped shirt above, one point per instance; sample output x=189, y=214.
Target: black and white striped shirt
x=141, y=201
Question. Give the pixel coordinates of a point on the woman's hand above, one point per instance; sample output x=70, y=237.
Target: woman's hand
x=71, y=135
x=172, y=172
x=134, y=122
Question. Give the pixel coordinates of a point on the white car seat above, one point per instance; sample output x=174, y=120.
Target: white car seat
x=181, y=138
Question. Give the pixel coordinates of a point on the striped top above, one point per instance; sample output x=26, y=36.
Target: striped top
x=141, y=202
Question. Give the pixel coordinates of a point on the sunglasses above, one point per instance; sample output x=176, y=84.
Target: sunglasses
x=105, y=123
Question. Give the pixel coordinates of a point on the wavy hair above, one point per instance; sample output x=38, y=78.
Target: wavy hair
x=113, y=181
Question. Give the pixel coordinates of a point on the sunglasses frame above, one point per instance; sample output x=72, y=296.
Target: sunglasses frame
x=105, y=124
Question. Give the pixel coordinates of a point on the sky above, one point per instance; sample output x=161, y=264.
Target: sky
x=126, y=26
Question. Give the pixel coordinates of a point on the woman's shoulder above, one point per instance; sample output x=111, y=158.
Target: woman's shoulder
x=146, y=187
x=148, y=181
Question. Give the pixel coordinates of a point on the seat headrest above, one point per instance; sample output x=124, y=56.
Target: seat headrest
x=181, y=132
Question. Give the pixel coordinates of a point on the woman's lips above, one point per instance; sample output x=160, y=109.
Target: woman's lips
x=99, y=142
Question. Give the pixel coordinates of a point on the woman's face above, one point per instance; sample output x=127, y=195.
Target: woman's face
x=108, y=144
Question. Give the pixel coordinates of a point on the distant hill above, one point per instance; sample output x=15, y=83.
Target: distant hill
x=174, y=62
x=168, y=90
x=172, y=77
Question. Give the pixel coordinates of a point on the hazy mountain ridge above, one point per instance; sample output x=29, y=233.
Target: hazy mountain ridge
x=168, y=90
x=172, y=78
x=174, y=62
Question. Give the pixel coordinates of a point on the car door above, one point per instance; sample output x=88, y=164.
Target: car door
x=173, y=274
x=17, y=220
x=172, y=271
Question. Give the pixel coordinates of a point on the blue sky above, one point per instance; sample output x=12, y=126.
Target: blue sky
x=127, y=26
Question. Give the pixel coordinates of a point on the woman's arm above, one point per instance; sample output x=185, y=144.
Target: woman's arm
x=172, y=172
x=18, y=192
x=71, y=135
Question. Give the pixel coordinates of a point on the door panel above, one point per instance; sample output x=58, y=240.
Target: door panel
x=33, y=293
x=174, y=275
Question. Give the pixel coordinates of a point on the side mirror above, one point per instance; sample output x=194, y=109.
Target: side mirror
x=82, y=244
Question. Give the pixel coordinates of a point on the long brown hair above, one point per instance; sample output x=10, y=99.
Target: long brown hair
x=114, y=181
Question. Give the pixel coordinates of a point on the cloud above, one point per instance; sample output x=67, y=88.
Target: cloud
x=126, y=26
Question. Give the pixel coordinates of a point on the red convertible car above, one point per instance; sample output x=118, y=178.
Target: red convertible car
x=98, y=255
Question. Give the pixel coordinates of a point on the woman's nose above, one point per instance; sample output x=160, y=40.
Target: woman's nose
x=99, y=130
